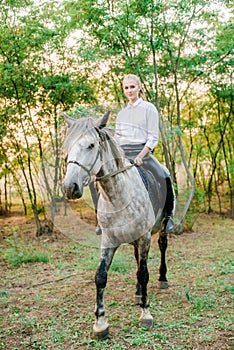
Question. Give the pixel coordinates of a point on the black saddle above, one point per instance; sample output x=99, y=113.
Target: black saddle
x=153, y=188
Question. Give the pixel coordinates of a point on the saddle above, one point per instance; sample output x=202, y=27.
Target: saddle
x=153, y=188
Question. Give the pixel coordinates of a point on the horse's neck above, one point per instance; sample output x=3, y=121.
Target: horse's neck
x=113, y=186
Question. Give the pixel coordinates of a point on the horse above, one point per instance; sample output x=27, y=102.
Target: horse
x=125, y=212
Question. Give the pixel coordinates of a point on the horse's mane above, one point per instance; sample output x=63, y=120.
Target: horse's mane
x=104, y=136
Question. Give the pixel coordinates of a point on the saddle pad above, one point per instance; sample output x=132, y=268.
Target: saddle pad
x=153, y=188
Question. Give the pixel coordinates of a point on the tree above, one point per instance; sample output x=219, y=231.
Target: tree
x=32, y=90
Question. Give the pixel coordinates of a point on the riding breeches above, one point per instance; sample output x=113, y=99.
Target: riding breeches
x=160, y=173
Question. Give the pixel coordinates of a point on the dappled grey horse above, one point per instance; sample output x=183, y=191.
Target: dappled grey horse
x=125, y=212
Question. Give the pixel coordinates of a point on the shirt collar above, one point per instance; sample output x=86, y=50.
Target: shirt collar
x=135, y=103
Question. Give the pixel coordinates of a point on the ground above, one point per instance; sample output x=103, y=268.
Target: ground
x=48, y=291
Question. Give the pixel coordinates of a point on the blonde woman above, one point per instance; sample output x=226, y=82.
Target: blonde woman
x=137, y=131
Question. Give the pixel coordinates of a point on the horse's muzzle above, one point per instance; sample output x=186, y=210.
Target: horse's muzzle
x=72, y=192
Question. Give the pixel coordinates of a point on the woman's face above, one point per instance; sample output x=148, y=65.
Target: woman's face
x=131, y=90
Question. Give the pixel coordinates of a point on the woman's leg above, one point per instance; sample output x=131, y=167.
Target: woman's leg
x=162, y=175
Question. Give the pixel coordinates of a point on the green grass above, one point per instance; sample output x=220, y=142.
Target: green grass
x=50, y=305
x=18, y=253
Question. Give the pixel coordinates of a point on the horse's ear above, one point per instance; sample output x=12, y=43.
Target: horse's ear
x=70, y=121
x=101, y=123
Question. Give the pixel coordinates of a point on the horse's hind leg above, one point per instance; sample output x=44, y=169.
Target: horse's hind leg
x=162, y=242
x=101, y=327
x=146, y=320
x=138, y=286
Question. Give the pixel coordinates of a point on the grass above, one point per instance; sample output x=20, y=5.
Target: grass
x=20, y=253
x=49, y=305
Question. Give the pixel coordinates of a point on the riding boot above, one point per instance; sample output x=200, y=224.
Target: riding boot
x=168, y=224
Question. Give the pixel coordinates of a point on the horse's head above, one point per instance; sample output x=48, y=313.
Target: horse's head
x=82, y=145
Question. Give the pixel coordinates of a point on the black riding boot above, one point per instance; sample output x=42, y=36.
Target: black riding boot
x=168, y=224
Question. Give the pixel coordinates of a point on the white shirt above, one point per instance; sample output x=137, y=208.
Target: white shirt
x=138, y=124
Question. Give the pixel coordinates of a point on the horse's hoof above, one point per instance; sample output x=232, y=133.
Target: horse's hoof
x=146, y=320
x=101, y=329
x=162, y=284
x=148, y=323
x=137, y=299
x=103, y=335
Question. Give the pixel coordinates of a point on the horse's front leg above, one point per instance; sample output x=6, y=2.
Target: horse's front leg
x=162, y=242
x=101, y=327
x=146, y=320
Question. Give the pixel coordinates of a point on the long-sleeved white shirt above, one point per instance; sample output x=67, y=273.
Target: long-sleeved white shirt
x=138, y=124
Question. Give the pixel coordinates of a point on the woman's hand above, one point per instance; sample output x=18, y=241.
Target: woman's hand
x=138, y=161
x=139, y=158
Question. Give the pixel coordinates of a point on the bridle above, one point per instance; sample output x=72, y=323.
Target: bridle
x=98, y=178
x=87, y=181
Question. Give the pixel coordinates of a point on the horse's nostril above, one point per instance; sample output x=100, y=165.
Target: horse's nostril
x=76, y=192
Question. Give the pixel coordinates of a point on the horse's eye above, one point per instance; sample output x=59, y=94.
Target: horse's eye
x=91, y=146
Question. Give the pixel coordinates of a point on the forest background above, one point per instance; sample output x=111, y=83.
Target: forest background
x=72, y=55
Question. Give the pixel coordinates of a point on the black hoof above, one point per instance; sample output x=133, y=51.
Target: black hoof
x=162, y=284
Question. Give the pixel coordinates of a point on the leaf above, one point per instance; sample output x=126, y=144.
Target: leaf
x=189, y=298
x=178, y=131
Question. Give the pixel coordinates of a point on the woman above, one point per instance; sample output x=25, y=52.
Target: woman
x=137, y=132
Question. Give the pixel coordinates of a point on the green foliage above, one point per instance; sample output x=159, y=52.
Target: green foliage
x=36, y=82
x=19, y=254
x=68, y=55
x=66, y=89
x=181, y=52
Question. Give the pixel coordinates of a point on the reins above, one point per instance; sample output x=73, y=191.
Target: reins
x=116, y=172
x=99, y=178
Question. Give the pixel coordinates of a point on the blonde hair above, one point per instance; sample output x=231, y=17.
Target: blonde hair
x=138, y=82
